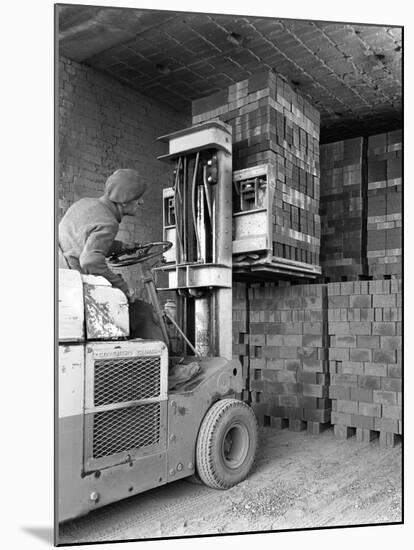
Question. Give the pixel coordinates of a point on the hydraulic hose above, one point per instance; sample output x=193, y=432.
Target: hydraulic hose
x=184, y=209
x=177, y=217
x=207, y=191
x=193, y=206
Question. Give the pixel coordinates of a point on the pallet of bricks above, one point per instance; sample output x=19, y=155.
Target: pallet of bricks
x=240, y=332
x=288, y=369
x=384, y=247
x=342, y=218
x=274, y=125
x=364, y=325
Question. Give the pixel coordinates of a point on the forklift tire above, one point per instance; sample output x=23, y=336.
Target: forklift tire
x=226, y=444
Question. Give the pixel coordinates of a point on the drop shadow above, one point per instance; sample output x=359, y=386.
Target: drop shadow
x=43, y=533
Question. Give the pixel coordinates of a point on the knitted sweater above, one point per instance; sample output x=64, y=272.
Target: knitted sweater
x=87, y=236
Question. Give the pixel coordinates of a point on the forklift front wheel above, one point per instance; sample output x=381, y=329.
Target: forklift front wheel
x=226, y=444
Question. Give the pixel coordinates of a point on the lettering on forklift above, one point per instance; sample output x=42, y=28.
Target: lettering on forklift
x=125, y=353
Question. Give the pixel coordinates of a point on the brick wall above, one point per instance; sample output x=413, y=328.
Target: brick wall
x=105, y=125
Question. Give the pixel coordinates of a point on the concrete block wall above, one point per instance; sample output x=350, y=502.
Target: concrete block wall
x=361, y=208
x=288, y=375
x=342, y=217
x=319, y=354
x=365, y=326
x=105, y=125
x=384, y=222
x=240, y=329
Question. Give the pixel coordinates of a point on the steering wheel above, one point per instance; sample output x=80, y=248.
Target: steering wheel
x=139, y=254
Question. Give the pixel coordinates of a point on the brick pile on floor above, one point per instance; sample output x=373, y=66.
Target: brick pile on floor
x=384, y=246
x=288, y=372
x=364, y=325
x=240, y=331
x=342, y=219
x=274, y=125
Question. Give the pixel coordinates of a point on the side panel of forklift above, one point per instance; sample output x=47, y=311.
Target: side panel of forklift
x=80, y=495
x=188, y=405
x=112, y=431
x=70, y=425
x=71, y=306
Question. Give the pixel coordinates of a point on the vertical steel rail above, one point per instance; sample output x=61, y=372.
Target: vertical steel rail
x=213, y=224
x=203, y=333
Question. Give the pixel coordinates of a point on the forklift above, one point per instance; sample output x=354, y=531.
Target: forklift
x=122, y=426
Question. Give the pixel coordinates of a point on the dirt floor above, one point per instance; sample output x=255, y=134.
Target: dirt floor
x=300, y=480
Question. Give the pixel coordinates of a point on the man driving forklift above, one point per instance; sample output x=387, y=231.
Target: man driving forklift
x=88, y=229
x=87, y=236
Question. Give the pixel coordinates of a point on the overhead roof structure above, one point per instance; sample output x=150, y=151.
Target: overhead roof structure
x=352, y=73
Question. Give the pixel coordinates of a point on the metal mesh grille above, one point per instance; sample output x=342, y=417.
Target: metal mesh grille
x=126, y=379
x=124, y=429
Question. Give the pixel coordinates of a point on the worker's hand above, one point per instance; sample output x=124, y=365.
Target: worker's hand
x=131, y=295
x=127, y=247
x=130, y=248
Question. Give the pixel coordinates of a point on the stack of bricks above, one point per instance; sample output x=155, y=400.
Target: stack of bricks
x=288, y=370
x=365, y=359
x=240, y=331
x=274, y=125
x=384, y=247
x=342, y=219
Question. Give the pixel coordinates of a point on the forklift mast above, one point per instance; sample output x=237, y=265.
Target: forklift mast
x=197, y=212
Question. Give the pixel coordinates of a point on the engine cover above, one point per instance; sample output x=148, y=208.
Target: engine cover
x=70, y=304
x=106, y=310
x=89, y=307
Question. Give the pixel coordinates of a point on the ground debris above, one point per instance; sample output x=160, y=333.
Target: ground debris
x=268, y=502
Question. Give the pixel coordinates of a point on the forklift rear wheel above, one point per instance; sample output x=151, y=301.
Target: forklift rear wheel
x=226, y=444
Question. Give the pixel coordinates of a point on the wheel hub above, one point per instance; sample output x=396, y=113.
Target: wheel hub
x=235, y=445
